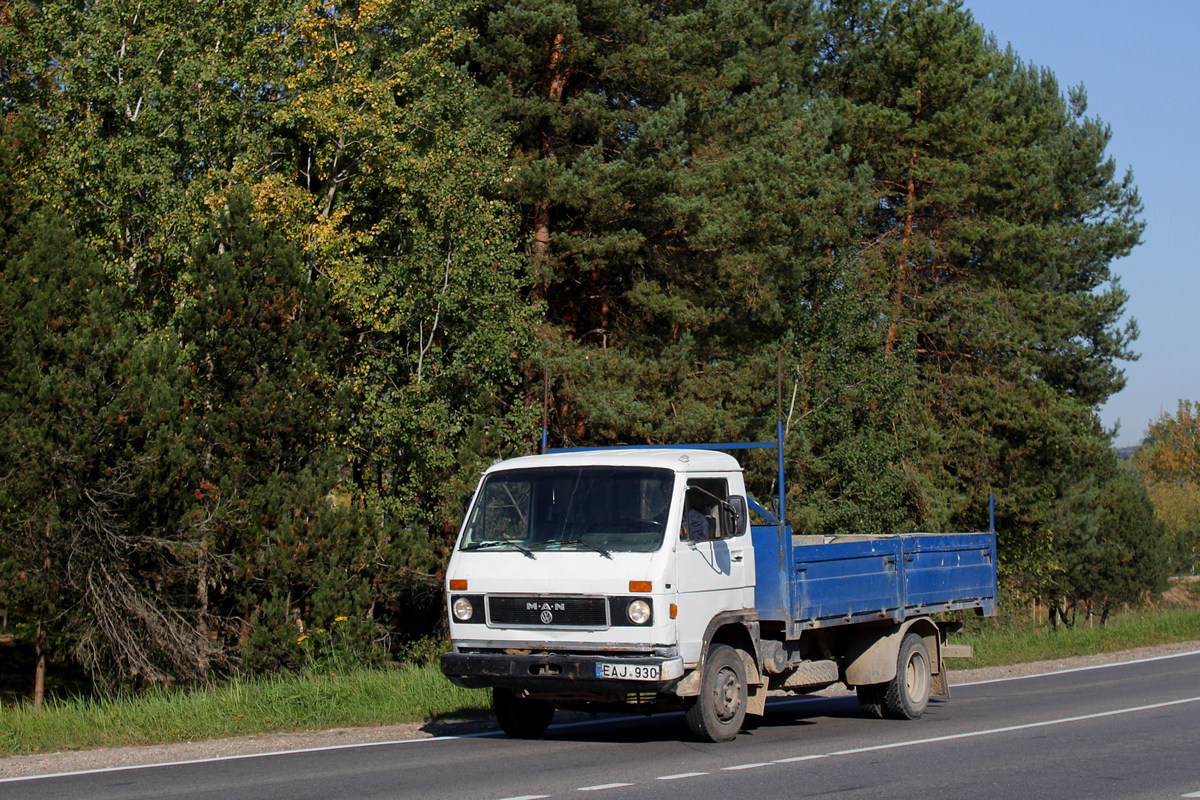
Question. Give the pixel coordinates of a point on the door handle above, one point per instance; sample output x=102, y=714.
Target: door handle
x=736, y=555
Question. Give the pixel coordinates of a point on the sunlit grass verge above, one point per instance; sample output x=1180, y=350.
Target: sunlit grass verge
x=1014, y=644
x=314, y=700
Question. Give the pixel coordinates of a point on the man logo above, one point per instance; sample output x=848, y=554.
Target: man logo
x=546, y=606
x=547, y=617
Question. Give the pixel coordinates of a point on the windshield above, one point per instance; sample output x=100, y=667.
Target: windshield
x=571, y=508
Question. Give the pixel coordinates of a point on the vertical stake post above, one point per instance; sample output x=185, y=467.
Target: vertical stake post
x=779, y=450
x=779, y=433
x=545, y=409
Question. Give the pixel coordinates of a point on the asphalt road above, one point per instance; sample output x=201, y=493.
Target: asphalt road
x=1120, y=731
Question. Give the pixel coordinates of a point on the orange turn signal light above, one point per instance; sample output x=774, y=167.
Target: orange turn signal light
x=674, y=611
x=458, y=584
x=640, y=586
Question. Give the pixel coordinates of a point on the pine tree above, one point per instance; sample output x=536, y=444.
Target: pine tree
x=996, y=216
x=83, y=388
x=1111, y=549
x=83, y=392
x=253, y=458
x=629, y=126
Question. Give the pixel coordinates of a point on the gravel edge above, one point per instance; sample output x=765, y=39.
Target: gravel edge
x=144, y=755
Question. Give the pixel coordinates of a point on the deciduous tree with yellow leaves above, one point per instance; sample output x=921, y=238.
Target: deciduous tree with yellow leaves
x=1169, y=460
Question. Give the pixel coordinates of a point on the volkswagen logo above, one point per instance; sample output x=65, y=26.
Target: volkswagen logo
x=547, y=618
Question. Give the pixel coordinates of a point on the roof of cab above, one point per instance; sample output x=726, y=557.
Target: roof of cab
x=677, y=460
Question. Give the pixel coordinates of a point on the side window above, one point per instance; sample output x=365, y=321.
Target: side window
x=702, y=512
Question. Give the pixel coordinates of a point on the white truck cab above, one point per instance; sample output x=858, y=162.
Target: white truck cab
x=598, y=570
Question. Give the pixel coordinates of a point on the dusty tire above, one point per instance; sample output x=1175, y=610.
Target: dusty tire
x=521, y=717
x=906, y=695
x=870, y=699
x=720, y=708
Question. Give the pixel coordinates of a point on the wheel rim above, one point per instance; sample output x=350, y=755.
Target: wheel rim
x=916, y=677
x=727, y=693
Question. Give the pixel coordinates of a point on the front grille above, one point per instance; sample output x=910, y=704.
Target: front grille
x=547, y=612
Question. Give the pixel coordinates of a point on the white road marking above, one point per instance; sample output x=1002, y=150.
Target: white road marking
x=1010, y=728
x=601, y=787
x=1079, y=669
x=241, y=756
x=747, y=766
x=794, y=759
x=527, y=797
x=1193, y=794
x=680, y=776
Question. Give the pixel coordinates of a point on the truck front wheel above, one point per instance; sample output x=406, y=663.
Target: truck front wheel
x=521, y=717
x=720, y=708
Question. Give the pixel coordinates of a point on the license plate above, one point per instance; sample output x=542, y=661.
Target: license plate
x=629, y=672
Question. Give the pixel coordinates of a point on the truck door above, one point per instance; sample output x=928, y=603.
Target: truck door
x=710, y=562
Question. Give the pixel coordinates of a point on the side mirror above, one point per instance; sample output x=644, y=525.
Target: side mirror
x=735, y=513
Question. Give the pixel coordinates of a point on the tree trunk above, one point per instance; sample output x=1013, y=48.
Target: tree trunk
x=541, y=229
x=555, y=80
x=900, y=287
x=39, y=671
x=202, y=607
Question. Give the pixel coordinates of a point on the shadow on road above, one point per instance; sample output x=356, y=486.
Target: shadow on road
x=576, y=726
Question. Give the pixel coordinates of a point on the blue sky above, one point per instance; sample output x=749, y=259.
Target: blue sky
x=1140, y=65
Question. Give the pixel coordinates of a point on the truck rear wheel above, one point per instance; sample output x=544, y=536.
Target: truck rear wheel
x=720, y=708
x=907, y=694
x=521, y=717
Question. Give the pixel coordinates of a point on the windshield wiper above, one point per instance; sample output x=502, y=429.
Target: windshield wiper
x=588, y=545
x=497, y=543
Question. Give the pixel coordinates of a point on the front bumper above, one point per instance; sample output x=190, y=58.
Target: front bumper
x=555, y=672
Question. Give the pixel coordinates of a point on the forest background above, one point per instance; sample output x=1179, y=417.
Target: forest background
x=279, y=278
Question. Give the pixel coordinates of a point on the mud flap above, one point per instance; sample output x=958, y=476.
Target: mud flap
x=756, y=687
x=940, y=686
x=756, y=699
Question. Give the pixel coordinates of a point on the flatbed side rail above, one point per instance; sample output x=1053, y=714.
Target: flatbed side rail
x=892, y=578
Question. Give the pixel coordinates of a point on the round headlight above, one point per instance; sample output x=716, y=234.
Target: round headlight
x=463, y=610
x=638, y=612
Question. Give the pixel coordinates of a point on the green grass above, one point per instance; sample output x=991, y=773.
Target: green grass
x=1016, y=644
x=313, y=701
x=361, y=696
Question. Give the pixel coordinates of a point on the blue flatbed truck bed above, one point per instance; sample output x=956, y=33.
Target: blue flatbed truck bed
x=812, y=582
